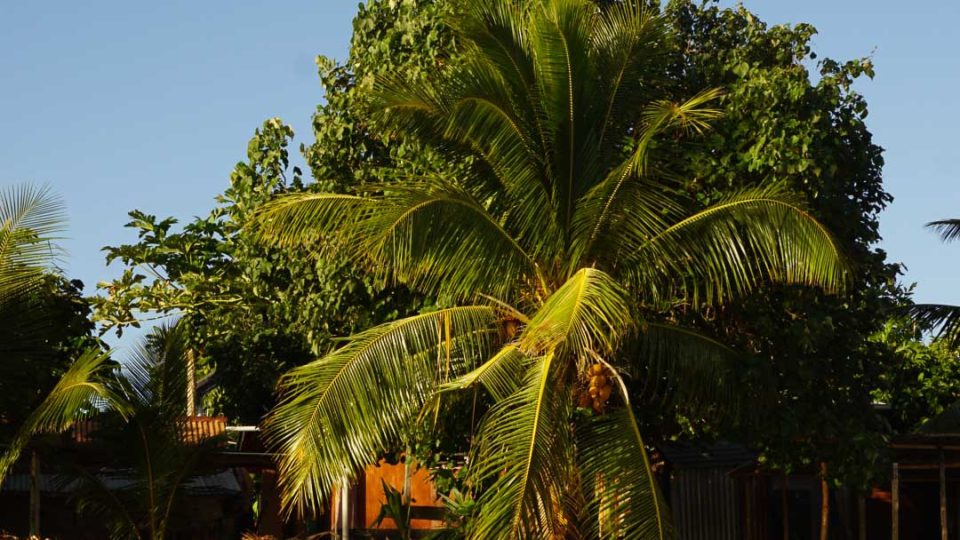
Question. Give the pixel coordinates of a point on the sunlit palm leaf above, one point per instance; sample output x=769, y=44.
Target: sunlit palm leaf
x=589, y=312
x=523, y=458
x=630, y=41
x=732, y=247
x=319, y=220
x=75, y=396
x=30, y=217
x=340, y=412
x=415, y=233
x=500, y=376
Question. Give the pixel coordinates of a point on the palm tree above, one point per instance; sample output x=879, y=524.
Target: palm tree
x=30, y=219
x=136, y=424
x=550, y=256
x=946, y=317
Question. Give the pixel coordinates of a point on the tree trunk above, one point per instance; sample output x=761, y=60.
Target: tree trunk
x=824, y=503
x=943, y=498
x=895, y=503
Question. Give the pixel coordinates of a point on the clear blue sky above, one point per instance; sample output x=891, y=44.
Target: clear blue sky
x=120, y=105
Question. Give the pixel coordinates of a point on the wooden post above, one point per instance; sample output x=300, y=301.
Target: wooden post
x=191, y=383
x=345, y=510
x=862, y=517
x=785, y=506
x=943, y=498
x=895, y=503
x=271, y=511
x=34, y=495
x=824, y=502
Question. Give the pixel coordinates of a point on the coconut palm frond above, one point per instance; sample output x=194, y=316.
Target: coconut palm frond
x=630, y=41
x=500, y=375
x=30, y=217
x=317, y=220
x=676, y=363
x=588, y=312
x=86, y=384
x=522, y=457
x=752, y=237
x=338, y=413
x=949, y=229
x=621, y=489
x=415, y=233
x=945, y=319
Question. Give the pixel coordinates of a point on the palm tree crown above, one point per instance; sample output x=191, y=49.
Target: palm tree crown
x=548, y=251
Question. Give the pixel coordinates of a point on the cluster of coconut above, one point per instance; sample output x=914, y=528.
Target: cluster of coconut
x=598, y=390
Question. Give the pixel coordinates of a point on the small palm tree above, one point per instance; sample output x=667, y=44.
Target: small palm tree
x=551, y=256
x=944, y=317
x=136, y=424
x=30, y=219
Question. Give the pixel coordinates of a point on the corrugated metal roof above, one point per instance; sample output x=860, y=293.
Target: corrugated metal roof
x=223, y=483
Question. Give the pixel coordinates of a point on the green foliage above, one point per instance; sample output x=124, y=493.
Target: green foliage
x=569, y=227
x=51, y=331
x=253, y=312
x=807, y=130
x=924, y=381
x=396, y=508
x=395, y=37
x=43, y=316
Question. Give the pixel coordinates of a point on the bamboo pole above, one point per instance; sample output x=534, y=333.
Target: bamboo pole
x=824, y=503
x=895, y=503
x=191, y=383
x=34, y=495
x=943, y=499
